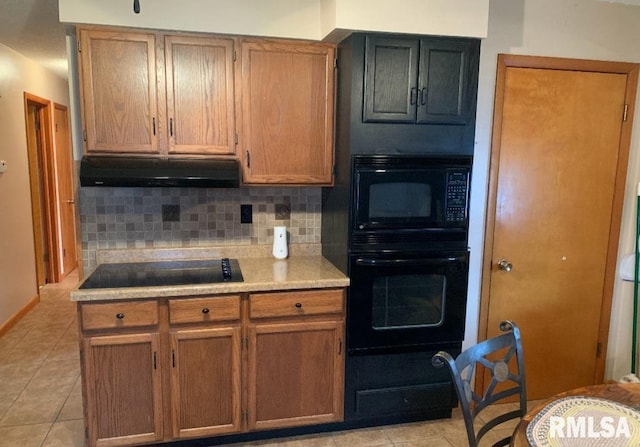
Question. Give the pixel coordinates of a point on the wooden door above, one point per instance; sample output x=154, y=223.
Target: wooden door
x=391, y=77
x=205, y=381
x=123, y=384
x=296, y=374
x=119, y=92
x=65, y=191
x=36, y=113
x=199, y=74
x=558, y=168
x=287, y=112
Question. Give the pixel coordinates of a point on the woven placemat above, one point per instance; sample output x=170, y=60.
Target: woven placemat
x=581, y=421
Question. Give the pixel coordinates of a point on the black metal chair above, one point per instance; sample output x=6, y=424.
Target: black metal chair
x=507, y=379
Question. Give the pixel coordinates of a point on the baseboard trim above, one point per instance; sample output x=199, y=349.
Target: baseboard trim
x=11, y=322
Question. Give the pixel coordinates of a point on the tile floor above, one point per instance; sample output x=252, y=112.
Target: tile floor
x=41, y=403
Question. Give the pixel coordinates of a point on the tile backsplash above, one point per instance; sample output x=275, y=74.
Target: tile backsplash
x=120, y=218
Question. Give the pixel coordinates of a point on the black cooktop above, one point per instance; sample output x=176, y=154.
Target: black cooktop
x=164, y=273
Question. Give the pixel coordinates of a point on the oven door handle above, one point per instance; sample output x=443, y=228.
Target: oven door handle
x=408, y=262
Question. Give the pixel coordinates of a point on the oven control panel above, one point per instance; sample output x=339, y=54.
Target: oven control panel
x=457, y=192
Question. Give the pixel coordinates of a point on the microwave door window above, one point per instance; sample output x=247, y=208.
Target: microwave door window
x=399, y=201
x=408, y=301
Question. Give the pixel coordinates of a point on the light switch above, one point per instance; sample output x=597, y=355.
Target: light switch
x=3, y=166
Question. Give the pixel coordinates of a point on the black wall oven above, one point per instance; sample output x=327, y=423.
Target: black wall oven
x=409, y=300
x=408, y=264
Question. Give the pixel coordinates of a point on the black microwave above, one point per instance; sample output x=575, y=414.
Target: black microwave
x=400, y=195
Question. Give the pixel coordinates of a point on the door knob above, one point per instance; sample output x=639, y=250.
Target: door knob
x=505, y=265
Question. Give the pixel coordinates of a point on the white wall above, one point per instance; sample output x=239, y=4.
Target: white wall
x=304, y=19
x=585, y=29
x=435, y=17
x=17, y=258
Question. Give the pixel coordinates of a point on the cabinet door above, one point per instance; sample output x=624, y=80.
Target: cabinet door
x=199, y=76
x=391, y=78
x=119, y=93
x=446, y=87
x=205, y=381
x=287, y=112
x=123, y=386
x=296, y=374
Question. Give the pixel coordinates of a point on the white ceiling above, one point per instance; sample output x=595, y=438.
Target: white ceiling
x=31, y=28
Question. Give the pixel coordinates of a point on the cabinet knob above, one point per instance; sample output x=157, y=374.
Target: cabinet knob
x=119, y=316
x=205, y=310
x=299, y=305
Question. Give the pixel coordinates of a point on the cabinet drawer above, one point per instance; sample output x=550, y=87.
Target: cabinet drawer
x=119, y=315
x=309, y=302
x=201, y=310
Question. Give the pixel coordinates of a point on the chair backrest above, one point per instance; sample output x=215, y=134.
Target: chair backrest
x=502, y=357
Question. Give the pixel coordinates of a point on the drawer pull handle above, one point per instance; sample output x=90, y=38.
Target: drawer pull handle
x=120, y=316
x=299, y=305
x=205, y=310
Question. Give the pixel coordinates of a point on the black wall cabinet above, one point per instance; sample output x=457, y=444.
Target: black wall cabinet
x=418, y=80
x=407, y=94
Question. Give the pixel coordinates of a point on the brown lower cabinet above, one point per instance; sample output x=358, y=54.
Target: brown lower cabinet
x=177, y=368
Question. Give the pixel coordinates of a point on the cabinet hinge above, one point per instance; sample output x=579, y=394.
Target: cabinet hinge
x=624, y=114
x=84, y=135
x=235, y=55
x=79, y=47
x=335, y=62
x=598, y=349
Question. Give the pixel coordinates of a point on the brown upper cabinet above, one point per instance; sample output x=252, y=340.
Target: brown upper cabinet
x=156, y=93
x=286, y=116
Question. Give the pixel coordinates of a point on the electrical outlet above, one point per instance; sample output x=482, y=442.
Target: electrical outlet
x=3, y=166
x=246, y=213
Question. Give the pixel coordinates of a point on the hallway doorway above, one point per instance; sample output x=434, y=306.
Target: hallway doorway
x=52, y=191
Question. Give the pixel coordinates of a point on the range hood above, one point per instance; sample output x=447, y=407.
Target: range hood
x=142, y=172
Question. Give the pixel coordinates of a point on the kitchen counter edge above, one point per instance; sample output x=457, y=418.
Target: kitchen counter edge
x=260, y=275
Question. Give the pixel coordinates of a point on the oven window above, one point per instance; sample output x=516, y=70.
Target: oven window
x=403, y=301
x=399, y=200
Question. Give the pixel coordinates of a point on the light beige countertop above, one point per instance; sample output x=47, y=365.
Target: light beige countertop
x=304, y=269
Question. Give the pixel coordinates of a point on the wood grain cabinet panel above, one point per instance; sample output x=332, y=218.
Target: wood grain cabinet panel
x=119, y=91
x=204, y=310
x=199, y=73
x=295, y=358
x=287, y=112
x=122, y=384
x=296, y=374
x=296, y=304
x=129, y=78
x=205, y=381
x=119, y=315
x=181, y=373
